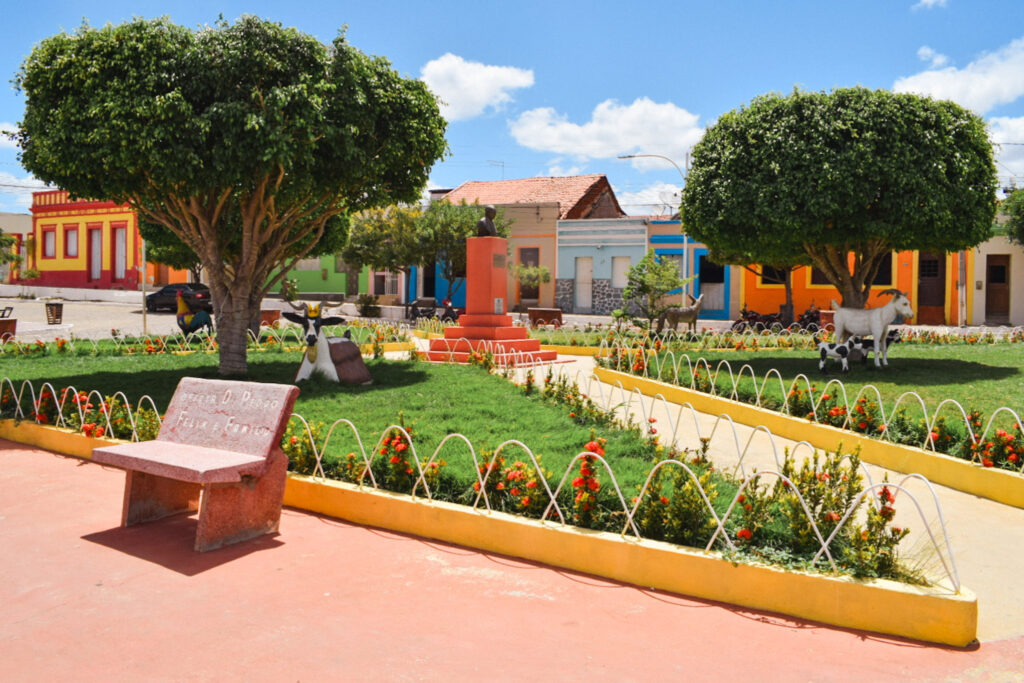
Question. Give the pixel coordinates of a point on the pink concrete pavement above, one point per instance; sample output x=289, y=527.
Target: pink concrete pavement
x=81, y=599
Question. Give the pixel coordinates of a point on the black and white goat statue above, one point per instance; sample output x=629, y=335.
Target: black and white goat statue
x=336, y=358
x=841, y=351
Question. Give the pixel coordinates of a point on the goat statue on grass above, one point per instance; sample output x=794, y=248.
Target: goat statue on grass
x=873, y=321
x=336, y=358
x=682, y=314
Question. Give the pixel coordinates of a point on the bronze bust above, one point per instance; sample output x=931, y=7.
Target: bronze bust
x=485, y=226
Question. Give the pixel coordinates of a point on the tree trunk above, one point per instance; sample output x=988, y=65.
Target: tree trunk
x=234, y=315
x=787, y=308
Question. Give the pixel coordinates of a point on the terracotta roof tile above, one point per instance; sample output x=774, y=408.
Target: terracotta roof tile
x=575, y=194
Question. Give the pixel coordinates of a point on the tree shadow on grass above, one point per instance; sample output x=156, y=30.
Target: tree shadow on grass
x=901, y=371
x=159, y=384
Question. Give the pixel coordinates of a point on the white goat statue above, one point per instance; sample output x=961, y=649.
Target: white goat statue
x=872, y=321
x=336, y=358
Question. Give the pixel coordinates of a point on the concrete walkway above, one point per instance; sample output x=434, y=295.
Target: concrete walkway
x=85, y=600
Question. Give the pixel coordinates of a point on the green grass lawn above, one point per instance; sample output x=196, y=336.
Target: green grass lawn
x=436, y=400
x=980, y=376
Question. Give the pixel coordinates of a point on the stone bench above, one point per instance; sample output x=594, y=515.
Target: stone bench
x=218, y=452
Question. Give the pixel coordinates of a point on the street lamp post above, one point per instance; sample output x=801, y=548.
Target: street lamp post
x=686, y=238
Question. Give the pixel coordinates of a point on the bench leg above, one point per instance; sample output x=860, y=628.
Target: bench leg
x=229, y=513
x=148, y=497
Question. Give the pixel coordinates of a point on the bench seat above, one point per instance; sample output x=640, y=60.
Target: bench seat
x=218, y=453
x=183, y=462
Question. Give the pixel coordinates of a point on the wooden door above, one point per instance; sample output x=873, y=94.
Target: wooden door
x=931, y=289
x=997, y=289
x=584, y=284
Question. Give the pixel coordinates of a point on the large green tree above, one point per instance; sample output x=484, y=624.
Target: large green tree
x=813, y=177
x=243, y=140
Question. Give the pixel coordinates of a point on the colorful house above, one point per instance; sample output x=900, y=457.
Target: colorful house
x=85, y=243
x=933, y=281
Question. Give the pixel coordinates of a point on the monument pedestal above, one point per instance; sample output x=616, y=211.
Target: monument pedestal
x=486, y=325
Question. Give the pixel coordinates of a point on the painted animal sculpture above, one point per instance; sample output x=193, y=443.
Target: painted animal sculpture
x=873, y=321
x=336, y=358
x=189, y=321
x=685, y=314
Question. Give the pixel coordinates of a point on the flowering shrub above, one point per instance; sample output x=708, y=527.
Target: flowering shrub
x=299, y=447
x=586, y=486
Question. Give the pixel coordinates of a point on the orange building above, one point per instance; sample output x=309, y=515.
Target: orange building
x=90, y=244
x=934, y=283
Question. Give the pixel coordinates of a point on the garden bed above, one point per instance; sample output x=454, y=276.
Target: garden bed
x=1002, y=486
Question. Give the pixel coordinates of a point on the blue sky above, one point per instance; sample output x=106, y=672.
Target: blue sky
x=561, y=88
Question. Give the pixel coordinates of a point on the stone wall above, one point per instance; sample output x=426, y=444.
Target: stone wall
x=565, y=294
x=605, y=298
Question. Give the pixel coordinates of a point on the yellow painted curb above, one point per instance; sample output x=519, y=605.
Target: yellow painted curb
x=367, y=349
x=1001, y=486
x=880, y=606
x=53, y=439
x=564, y=350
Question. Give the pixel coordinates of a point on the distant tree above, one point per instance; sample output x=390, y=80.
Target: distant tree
x=812, y=177
x=7, y=255
x=1013, y=208
x=648, y=282
x=444, y=228
x=243, y=140
x=386, y=239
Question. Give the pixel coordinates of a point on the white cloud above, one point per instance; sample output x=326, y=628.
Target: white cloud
x=16, y=193
x=993, y=79
x=934, y=59
x=643, y=127
x=929, y=4
x=557, y=169
x=467, y=89
x=1009, y=157
x=657, y=199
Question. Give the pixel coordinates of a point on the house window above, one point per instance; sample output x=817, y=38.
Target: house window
x=391, y=284
x=771, y=275
x=71, y=241
x=529, y=257
x=818, y=277
x=50, y=242
x=883, y=278
x=929, y=267
x=308, y=264
x=620, y=271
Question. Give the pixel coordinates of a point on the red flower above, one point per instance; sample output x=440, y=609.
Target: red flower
x=987, y=463
x=531, y=484
x=577, y=482
x=293, y=440
x=832, y=516
x=99, y=432
x=664, y=500
x=401, y=447
x=395, y=460
x=744, y=534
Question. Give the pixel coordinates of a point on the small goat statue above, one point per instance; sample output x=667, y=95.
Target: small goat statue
x=336, y=358
x=873, y=321
x=686, y=314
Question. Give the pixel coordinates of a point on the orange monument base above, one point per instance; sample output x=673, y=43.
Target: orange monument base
x=486, y=325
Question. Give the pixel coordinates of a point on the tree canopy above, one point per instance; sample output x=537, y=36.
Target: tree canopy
x=808, y=178
x=244, y=140
x=396, y=238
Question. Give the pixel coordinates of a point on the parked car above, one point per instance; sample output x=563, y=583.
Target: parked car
x=197, y=296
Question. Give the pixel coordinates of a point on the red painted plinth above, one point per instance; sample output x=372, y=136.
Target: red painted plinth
x=485, y=326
